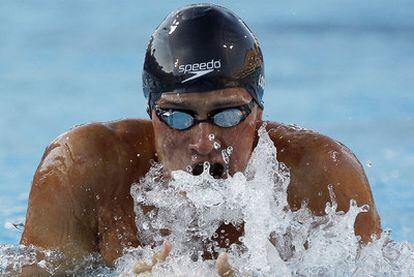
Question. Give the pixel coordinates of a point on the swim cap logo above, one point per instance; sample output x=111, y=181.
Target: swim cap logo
x=199, y=69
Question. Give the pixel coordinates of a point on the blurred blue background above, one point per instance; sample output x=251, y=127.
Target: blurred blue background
x=343, y=68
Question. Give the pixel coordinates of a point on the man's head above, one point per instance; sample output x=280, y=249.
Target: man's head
x=203, y=76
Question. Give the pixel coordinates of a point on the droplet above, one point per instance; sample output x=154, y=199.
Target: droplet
x=365, y=208
x=230, y=150
x=206, y=166
x=368, y=163
x=217, y=145
x=225, y=156
x=211, y=137
x=145, y=226
x=189, y=168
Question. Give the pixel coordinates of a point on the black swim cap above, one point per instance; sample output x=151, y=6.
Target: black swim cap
x=199, y=48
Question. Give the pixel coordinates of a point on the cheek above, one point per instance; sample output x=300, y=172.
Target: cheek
x=169, y=143
x=165, y=138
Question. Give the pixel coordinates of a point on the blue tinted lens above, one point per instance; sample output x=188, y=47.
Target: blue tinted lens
x=228, y=118
x=178, y=120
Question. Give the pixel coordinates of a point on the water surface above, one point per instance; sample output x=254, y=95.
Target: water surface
x=342, y=68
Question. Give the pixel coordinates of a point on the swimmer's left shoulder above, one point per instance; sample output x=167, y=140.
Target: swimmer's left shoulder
x=306, y=144
x=316, y=161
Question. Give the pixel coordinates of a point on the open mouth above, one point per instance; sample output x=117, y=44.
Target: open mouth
x=216, y=170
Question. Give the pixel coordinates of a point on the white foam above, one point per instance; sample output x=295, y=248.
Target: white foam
x=193, y=207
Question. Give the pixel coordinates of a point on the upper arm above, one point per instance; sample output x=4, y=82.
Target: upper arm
x=326, y=162
x=59, y=215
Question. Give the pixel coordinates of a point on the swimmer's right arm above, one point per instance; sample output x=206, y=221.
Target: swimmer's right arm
x=59, y=214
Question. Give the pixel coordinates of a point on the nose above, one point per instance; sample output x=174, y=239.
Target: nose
x=202, y=144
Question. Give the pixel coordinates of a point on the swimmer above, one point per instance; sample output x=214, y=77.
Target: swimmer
x=203, y=74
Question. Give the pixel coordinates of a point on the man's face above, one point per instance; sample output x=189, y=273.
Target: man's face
x=192, y=147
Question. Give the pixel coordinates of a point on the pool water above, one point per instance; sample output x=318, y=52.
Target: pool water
x=342, y=68
x=255, y=201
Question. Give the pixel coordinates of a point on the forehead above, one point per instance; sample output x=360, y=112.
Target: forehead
x=210, y=99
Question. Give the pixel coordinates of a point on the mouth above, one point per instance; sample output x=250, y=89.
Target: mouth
x=216, y=170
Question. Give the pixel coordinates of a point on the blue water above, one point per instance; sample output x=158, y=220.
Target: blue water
x=343, y=68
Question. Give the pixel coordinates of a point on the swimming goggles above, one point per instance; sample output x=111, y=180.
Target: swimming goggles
x=184, y=119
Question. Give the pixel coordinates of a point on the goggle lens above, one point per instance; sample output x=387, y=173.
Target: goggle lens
x=228, y=118
x=178, y=120
x=225, y=118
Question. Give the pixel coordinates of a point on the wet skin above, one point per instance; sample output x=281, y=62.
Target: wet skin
x=80, y=198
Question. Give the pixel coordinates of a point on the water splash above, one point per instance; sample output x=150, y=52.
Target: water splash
x=188, y=210
x=192, y=208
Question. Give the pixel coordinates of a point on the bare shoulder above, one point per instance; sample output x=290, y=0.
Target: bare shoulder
x=302, y=147
x=92, y=136
x=96, y=149
x=82, y=168
x=316, y=161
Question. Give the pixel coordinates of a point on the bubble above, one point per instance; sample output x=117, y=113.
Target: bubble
x=216, y=145
x=229, y=150
x=189, y=168
x=368, y=163
x=206, y=166
x=145, y=225
x=365, y=208
x=211, y=137
x=225, y=156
